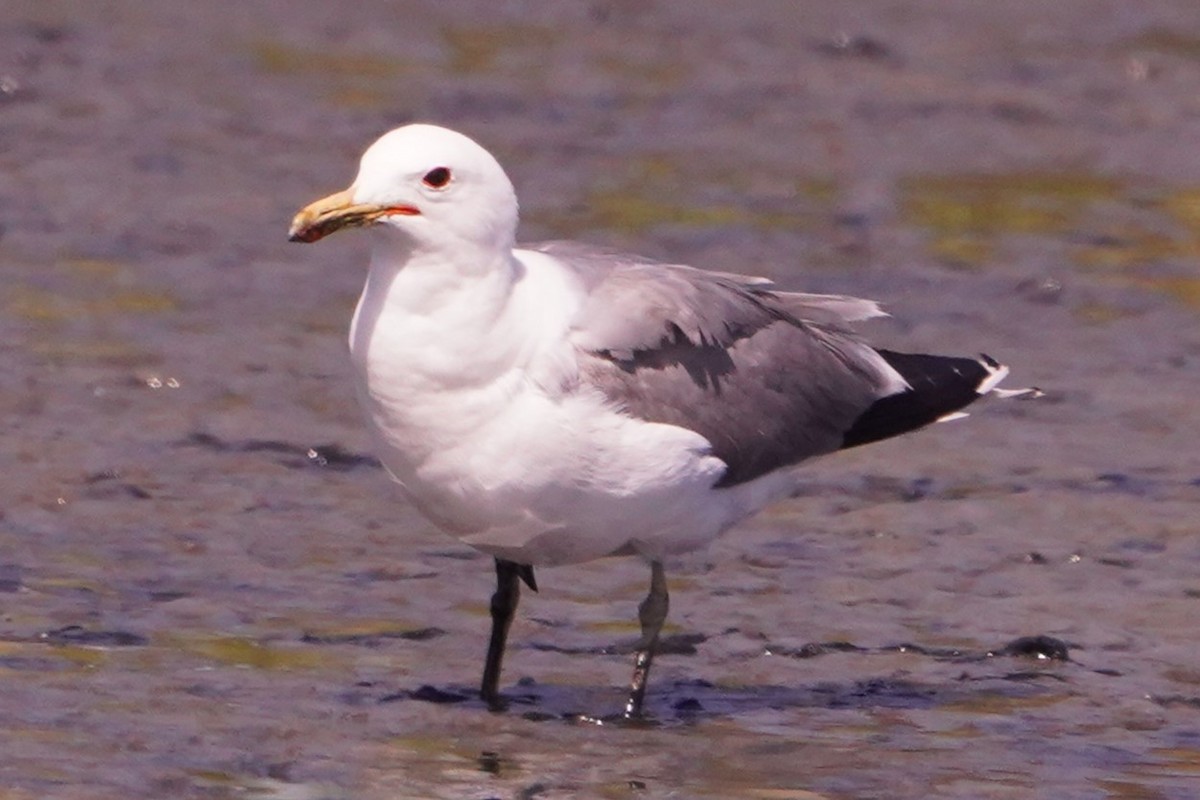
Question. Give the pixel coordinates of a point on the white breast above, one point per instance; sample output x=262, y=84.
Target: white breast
x=475, y=404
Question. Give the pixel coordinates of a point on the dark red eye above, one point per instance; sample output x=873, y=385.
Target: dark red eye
x=436, y=178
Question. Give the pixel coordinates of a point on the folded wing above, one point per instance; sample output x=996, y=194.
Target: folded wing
x=768, y=378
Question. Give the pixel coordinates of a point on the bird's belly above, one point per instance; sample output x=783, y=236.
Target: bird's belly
x=542, y=480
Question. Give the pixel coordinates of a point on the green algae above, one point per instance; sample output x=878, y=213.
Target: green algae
x=474, y=50
x=239, y=651
x=992, y=204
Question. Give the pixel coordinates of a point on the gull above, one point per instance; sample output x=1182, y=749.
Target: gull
x=557, y=403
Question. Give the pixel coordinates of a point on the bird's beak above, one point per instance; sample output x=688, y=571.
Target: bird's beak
x=318, y=220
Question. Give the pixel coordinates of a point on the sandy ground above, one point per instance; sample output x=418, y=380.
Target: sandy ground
x=208, y=589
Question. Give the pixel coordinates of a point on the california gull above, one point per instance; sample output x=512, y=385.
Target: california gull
x=557, y=403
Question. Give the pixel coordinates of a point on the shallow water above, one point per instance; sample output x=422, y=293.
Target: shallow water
x=209, y=589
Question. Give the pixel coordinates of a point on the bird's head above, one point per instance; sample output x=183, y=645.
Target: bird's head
x=428, y=185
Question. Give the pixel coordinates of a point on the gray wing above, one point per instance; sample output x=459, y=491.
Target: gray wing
x=769, y=378
x=631, y=297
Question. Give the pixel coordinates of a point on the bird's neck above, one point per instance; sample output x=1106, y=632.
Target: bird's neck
x=427, y=311
x=422, y=280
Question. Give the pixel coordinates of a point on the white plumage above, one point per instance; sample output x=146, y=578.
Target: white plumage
x=561, y=403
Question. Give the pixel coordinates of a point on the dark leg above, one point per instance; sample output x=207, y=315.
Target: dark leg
x=652, y=613
x=509, y=574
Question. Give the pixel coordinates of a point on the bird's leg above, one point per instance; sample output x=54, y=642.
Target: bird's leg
x=509, y=575
x=652, y=612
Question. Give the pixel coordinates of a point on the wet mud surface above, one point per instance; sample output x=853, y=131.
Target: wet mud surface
x=208, y=588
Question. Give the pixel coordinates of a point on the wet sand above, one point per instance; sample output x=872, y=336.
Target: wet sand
x=209, y=589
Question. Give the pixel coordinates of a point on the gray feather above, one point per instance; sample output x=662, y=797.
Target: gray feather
x=636, y=303
x=769, y=378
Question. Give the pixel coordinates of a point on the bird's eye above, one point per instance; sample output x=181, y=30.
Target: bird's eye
x=436, y=178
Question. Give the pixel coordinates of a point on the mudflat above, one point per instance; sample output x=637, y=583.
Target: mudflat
x=208, y=588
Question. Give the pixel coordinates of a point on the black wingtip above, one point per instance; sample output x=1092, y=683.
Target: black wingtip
x=939, y=385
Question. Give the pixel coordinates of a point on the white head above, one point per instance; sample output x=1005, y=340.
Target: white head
x=432, y=187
